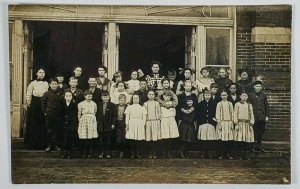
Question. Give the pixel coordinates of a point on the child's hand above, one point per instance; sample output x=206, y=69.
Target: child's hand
x=112, y=126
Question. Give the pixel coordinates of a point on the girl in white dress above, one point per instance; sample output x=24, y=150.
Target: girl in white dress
x=224, y=116
x=152, y=123
x=244, y=120
x=204, y=81
x=121, y=89
x=133, y=84
x=117, y=77
x=135, y=125
x=87, y=127
x=169, y=129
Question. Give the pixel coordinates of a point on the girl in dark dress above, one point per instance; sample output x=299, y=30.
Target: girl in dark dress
x=187, y=126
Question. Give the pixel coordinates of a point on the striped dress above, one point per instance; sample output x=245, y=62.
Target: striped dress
x=87, y=127
x=224, y=116
x=243, y=119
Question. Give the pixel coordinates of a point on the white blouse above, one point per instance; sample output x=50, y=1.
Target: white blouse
x=37, y=89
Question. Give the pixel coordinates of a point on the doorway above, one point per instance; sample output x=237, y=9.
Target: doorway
x=142, y=43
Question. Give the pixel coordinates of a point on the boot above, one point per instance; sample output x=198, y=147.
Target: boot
x=254, y=147
x=48, y=149
x=90, y=153
x=229, y=156
x=64, y=156
x=260, y=147
x=138, y=155
x=169, y=154
x=68, y=154
x=150, y=156
x=101, y=155
x=108, y=155
x=132, y=155
x=154, y=155
x=121, y=155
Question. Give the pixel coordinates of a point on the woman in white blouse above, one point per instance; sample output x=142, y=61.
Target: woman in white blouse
x=35, y=128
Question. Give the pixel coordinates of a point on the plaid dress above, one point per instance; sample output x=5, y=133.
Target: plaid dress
x=87, y=127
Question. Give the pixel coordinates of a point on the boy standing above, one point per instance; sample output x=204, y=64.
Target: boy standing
x=261, y=114
x=50, y=107
x=106, y=119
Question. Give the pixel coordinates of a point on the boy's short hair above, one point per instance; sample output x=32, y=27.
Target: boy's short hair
x=143, y=79
x=172, y=72
x=87, y=92
x=53, y=80
x=68, y=92
x=92, y=76
x=117, y=74
x=188, y=69
x=257, y=83
x=104, y=93
x=122, y=96
x=73, y=78
x=213, y=85
x=102, y=66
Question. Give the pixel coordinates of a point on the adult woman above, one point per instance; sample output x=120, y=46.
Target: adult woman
x=82, y=82
x=35, y=128
x=154, y=79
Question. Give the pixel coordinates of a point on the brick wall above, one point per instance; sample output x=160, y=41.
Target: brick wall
x=272, y=60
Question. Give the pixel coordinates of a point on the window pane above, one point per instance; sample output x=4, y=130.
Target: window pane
x=217, y=46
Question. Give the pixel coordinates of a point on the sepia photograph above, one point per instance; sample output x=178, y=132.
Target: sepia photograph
x=150, y=94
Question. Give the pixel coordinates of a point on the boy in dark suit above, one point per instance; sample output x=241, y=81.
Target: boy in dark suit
x=96, y=91
x=106, y=118
x=261, y=114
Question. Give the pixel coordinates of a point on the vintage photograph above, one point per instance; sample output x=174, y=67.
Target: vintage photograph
x=150, y=94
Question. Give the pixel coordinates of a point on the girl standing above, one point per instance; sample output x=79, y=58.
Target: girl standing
x=87, y=127
x=187, y=126
x=121, y=89
x=204, y=81
x=135, y=125
x=244, y=120
x=207, y=122
x=224, y=116
x=35, y=128
x=152, y=123
x=169, y=128
x=102, y=82
x=117, y=77
x=133, y=84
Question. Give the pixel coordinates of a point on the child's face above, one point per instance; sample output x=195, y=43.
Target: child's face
x=214, y=90
x=257, y=88
x=172, y=77
x=167, y=98
x=92, y=82
x=205, y=73
x=135, y=99
x=143, y=84
x=134, y=75
x=151, y=95
x=155, y=68
x=60, y=79
x=122, y=101
x=244, y=76
x=244, y=97
x=105, y=99
x=101, y=72
x=224, y=95
x=88, y=97
x=53, y=85
x=121, y=87
x=166, y=84
x=189, y=102
x=40, y=74
x=119, y=78
x=187, y=74
x=232, y=89
x=68, y=96
x=77, y=72
x=73, y=83
x=188, y=86
x=207, y=96
x=222, y=73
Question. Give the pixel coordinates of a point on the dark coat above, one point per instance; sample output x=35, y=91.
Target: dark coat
x=230, y=99
x=223, y=84
x=246, y=85
x=260, y=105
x=182, y=100
x=143, y=96
x=216, y=99
x=104, y=122
x=206, y=112
x=69, y=114
x=97, y=96
x=50, y=102
x=77, y=95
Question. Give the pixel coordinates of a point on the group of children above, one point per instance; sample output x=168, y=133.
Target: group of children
x=149, y=113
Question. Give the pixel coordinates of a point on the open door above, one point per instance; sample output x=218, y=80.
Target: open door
x=190, y=48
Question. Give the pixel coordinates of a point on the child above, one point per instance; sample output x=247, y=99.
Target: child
x=69, y=122
x=187, y=125
x=166, y=88
x=61, y=85
x=106, y=119
x=133, y=84
x=187, y=77
x=233, y=97
x=244, y=120
x=120, y=124
x=207, y=123
x=77, y=94
x=168, y=126
x=87, y=127
x=135, y=125
x=260, y=105
x=224, y=116
x=77, y=73
x=117, y=77
x=245, y=83
x=223, y=81
x=102, y=82
x=50, y=106
x=214, y=92
x=143, y=91
x=121, y=89
x=172, y=78
x=205, y=81
x=96, y=92
x=152, y=123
